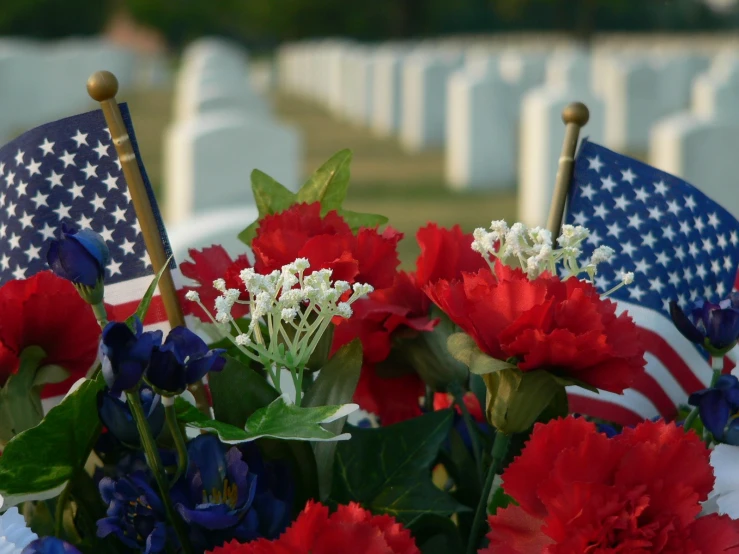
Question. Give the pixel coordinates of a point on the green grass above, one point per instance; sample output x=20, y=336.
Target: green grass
x=408, y=189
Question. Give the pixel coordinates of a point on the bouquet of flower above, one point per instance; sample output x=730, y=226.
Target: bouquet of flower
x=464, y=441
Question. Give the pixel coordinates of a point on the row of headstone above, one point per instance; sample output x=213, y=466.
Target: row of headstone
x=222, y=130
x=496, y=110
x=44, y=81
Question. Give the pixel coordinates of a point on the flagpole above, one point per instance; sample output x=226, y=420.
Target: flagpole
x=102, y=86
x=575, y=116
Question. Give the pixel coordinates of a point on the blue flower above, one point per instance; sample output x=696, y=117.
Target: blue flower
x=716, y=404
x=713, y=326
x=216, y=495
x=182, y=360
x=275, y=492
x=116, y=415
x=50, y=545
x=125, y=354
x=79, y=256
x=135, y=513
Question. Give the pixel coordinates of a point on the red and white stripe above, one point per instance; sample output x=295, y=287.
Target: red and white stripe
x=674, y=370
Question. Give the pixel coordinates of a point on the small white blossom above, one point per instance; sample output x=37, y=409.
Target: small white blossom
x=222, y=317
x=243, y=339
x=288, y=314
x=302, y=264
x=219, y=285
x=344, y=310
x=627, y=278
x=193, y=296
x=601, y=254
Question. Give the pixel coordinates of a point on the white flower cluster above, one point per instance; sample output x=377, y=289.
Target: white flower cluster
x=534, y=251
x=296, y=310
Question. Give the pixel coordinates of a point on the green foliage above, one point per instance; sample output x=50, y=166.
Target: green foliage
x=383, y=469
x=464, y=349
x=278, y=420
x=335, y=385
x=53, y=19
x=38, y=463
x=238, y=391
x=143, y=306
x=328, y=185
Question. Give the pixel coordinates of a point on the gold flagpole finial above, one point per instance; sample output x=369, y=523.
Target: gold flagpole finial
x=575, y=116
x=103, y=87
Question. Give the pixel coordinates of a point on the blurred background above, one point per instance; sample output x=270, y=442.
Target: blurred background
x=452, y=109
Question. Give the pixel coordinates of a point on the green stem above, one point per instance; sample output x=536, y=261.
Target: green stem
x=299, y=386
x=155, y=463
x=61, y=503
x=499, y=451
x=458, y=394
x=179, y=440
x=101, y=314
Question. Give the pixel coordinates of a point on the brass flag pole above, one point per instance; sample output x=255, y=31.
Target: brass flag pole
x=575, y=116
x=102, y=86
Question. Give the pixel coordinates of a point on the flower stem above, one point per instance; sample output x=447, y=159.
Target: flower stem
x=499, y=451
x=179, y=440
x=101, y=314
x=155, y=463
x=61, y=503
x=458, y=395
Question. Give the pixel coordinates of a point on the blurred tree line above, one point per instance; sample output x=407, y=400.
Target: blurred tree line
x=263, y=23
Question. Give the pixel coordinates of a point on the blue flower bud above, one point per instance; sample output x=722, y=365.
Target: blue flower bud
x=717, y=404
x=50, y=545
x=182, y=360
x=116, y=415
x=713, y=326
x=79, y=256
x=125, y=354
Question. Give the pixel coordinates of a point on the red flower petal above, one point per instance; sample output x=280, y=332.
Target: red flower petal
x=392, y=399
x=514, y=531
x=445, y=254
x=206, y=266
x=46, y=311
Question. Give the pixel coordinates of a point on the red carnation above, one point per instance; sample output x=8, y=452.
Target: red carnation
x=565, y=327
x=328, y=243
x=46, y=311
x=445, y=254
x=208, y=265
x=579, y=491
x=391, y=390
x=350, y=529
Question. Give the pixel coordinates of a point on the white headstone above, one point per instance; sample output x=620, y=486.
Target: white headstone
x=387, y=92
x=633, y=103
x=218, y=226
x=208, y=160
x=423, y=118
x=700, y=146
x=542, y=132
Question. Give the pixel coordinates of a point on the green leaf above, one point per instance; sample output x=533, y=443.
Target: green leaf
x=38, y=463
x=146, y=300
x=20, y=399
x=279, y=420
x=335, y=385
x=355, y=220
x=464, y=349
x=435, y=534
x=388, y=470
x=499, y=500
x=238, y=391
x=270, y=196
x=329, y=183
x=50, y=374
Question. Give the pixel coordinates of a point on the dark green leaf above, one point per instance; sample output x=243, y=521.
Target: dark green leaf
x=328, y=185
x=388, y=469
x=499, y=500
x=237, y=392
x=335, y=385
x=435, y=534
x=38, y=463
x=146, y=300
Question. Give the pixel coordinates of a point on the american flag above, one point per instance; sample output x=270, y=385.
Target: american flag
x=681, y=246
x=68, y=172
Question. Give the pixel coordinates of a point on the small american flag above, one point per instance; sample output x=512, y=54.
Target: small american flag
x=68, y=172
x=681, y=246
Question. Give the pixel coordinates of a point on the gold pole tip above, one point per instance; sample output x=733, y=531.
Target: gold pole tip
x=102, y=86
x=576, y=113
